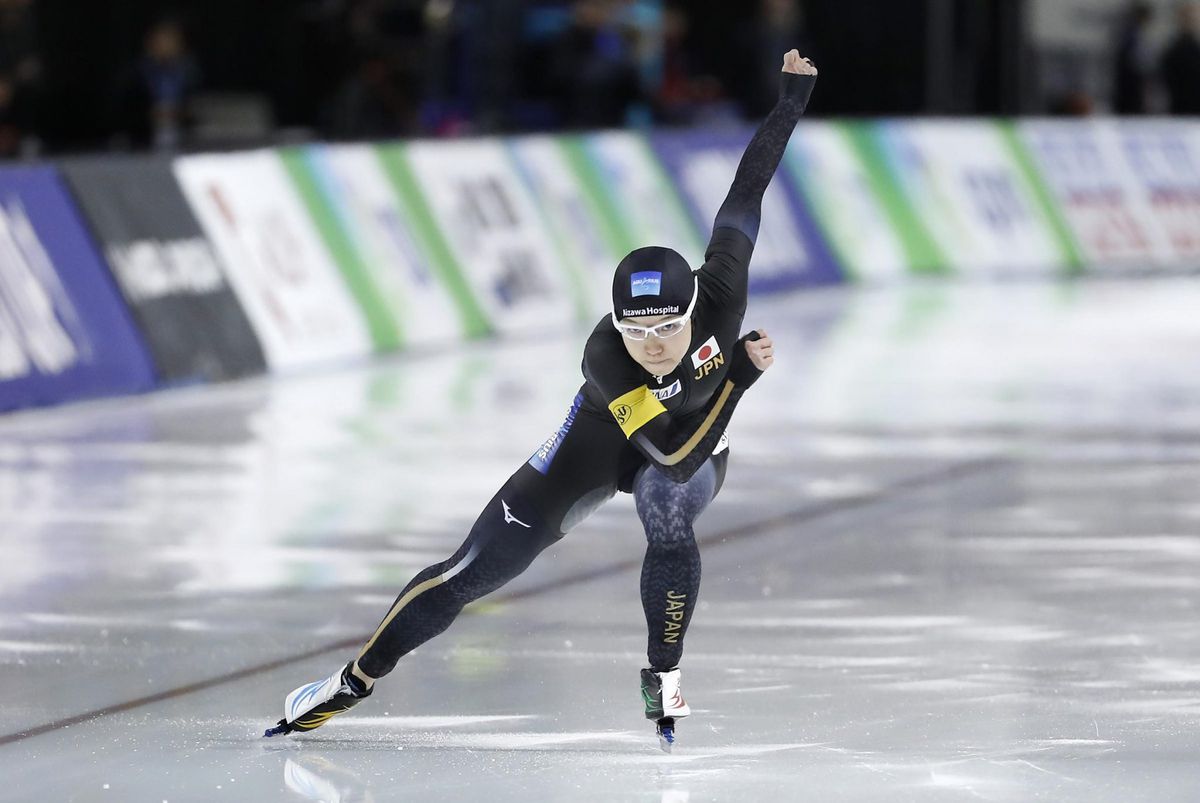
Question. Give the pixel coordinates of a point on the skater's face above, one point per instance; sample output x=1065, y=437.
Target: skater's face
x=658, y=353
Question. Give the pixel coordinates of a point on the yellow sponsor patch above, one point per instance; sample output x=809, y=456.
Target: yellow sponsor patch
x=634, y=409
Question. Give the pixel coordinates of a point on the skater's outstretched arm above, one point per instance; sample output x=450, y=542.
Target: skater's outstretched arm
x=735, y=228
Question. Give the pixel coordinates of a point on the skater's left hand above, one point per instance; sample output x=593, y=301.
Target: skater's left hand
x=793, y=63
x=761, y=351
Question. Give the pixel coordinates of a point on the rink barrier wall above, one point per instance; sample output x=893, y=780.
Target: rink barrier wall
x=331, y=194
x=585, y=235
x=636, y=194
x=1164, y=156
x=855, y=204
x=119, y=275
x=494, y=236
x=1097, y=192
x=65, y=332
x=281, y=270
x=166, y=269
x=970, y=195
x=1129, y=191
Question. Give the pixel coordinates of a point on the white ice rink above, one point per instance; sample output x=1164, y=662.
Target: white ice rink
x=957, y=557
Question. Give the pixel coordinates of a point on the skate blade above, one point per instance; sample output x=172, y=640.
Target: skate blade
x=666, y=740
x=279, y=730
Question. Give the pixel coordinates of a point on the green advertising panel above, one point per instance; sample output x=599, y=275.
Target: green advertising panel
x=359, y=213
x=827, y=164
x=1055, y=216
x=582, y=231
x=971, y=192
x=923, y=254
x=636, y=199
x=482, y=224
x=321, y=196
x=442, y=262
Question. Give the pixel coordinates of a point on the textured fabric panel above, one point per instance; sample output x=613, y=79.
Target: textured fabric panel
x=670, y=580
x=742, y=209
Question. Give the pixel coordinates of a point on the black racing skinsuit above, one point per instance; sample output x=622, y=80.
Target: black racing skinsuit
x=626, y=430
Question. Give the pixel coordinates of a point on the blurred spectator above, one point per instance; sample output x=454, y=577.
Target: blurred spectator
x=154, y=95
x=595, y=68
x=20, y=77
x=15, y=119
x=493, y=42
x=376, y=101
x=449, y=60
x=1135, y=63
x=1073, y=103
x=1181, y=62
x=394, y=48
x=774, y=29
x=18, y=42
x=684, y=95
x=676, y=94
x=383, y=68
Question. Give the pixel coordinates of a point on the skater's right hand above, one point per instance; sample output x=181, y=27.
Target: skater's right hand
x=794, y=64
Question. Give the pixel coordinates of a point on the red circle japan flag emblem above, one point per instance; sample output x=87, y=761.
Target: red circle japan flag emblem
x=708, y=350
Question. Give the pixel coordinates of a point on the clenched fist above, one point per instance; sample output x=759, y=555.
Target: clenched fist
x=794, y=64
x=762, y=351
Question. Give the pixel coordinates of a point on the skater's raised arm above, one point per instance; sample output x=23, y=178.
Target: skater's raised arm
x=735, y=228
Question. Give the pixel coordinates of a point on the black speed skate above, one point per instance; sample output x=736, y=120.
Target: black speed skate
x=314, y=704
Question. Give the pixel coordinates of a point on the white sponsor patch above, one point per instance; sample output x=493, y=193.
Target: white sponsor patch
x=150, y=269
x=662, y=394
x=706, y=352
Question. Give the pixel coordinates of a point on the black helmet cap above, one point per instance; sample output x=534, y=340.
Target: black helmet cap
x=652, y=281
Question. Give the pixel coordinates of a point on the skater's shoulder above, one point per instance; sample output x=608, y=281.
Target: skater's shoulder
x=604, y=342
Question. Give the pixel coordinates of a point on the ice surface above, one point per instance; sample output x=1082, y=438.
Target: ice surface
x=956, y=557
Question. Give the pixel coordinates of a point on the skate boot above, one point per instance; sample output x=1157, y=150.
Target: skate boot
x=664, y=703
x=313, y=704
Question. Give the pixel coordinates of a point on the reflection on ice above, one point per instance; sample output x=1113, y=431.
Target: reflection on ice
x=315, y=777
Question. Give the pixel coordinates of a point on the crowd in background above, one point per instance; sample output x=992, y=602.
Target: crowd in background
x=20, y=74
x=358, y=69
x=136, y=74
x=1147, y=81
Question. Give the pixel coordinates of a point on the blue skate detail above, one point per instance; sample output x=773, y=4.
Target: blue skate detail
x=309, y=692
x=666, y=736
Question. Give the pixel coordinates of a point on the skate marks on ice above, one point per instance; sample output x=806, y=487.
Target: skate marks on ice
x=470, y=733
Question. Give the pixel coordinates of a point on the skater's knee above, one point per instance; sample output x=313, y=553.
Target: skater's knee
x=668, y=509
x=666, y=528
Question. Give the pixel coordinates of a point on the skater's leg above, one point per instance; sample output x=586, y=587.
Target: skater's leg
x=569, y=477
x=671, y=569
x=504, y=540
